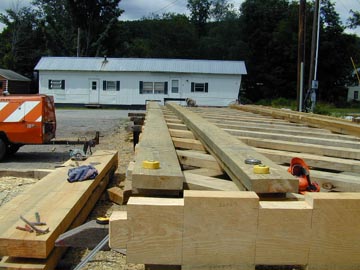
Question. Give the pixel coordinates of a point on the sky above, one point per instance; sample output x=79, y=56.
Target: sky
x=136, y=9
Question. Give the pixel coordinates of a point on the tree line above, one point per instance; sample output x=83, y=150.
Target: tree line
x=264, y=34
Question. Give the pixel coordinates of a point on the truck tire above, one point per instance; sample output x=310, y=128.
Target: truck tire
x=12, y=149
x=2, y=149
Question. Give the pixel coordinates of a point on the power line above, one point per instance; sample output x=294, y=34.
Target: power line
x=165, y=7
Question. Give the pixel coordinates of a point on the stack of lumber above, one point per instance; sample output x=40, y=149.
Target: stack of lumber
x=235, y=230
x=62, y=205
x=334, y=158
x=215, y=225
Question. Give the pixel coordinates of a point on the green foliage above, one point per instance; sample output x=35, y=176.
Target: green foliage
x=262, y=33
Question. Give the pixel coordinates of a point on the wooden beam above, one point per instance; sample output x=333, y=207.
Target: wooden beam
x=330, y=123
x=330, y=151
x=189, y=144
x=199, y=182
x=299, y=138
x=156, y=145
x=221, y=230
x=327, y=163
x=231, y=154
x=51, y=261
x=197, y=159
x=43, y=197
x=177, y=133
x=206, y=172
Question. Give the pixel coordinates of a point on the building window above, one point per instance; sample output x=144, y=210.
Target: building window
x=356, y=95
x=94, y=85
x=57, y=84
x=199, y=87
x=111, y=85
x=175, y=86
x=153, y=87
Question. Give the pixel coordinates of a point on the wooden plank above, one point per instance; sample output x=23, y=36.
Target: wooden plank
x=43, y=197
x=197, y=159
x=199, y=182
x=181, y=134
x=177, y=126
x=155, y=230
x=300, y=139
x=206, y=172
x=51, y=261
x=189, y=144
x=330, y=123
x=156, y=144
x=231, y=154
x=310, y=132
x=316, y=161
x=330, y=151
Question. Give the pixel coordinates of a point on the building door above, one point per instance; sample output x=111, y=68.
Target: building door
x=94, y=92
x=175, y=90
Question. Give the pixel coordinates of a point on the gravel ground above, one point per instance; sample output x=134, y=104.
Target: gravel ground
x=78, y=124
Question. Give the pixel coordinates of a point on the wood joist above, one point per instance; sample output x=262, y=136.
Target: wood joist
x=230, y=153
x=62, y=205
x=213, y=229
x=331, y=123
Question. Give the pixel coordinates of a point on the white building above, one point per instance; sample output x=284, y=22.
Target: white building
x=353, y=93
x=133, y=81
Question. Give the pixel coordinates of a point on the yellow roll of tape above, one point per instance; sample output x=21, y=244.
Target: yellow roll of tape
x=151, y=164
x=261, y=169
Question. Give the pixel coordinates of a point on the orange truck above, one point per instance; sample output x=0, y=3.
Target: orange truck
x=25, y=119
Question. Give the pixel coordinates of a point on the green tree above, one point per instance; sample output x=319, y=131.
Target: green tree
x=199, y=13
x=96, y=19
x=21, y=40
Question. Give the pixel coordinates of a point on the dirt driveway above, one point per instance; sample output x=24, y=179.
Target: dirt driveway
x=73, y=124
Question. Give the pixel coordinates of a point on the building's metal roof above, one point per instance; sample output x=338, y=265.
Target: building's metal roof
x=141, y=65
x=13, y=76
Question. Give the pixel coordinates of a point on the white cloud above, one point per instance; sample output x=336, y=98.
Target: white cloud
x=136, y=9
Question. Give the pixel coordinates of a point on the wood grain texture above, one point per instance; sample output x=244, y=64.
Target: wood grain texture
x=231, y=154
x=119, y=231
x=156, y=228
x=219, y=227
x=199, y=182
x=330, y=123
x=58, y=202
x=156, y=144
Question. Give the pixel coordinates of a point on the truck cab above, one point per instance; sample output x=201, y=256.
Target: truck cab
x=25, y=119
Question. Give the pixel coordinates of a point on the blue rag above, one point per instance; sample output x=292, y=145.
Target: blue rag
x=81, y=173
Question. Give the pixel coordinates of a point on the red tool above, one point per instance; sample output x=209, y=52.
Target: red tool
x=301, y=170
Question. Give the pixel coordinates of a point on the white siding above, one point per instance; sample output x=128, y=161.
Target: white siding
x=222, y=89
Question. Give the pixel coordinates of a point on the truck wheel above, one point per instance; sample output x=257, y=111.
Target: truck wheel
x=12, y=149
x=2, y=149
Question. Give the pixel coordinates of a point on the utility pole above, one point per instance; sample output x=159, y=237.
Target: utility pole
x=78, y=43
x=313, y=82
x=301, y=55
x=313, y=44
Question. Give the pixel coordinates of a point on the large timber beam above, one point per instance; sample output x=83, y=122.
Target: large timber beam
x=235, y=230
x=156, y=145
x=331, y=123
x=59, y=204
x=231, y=155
